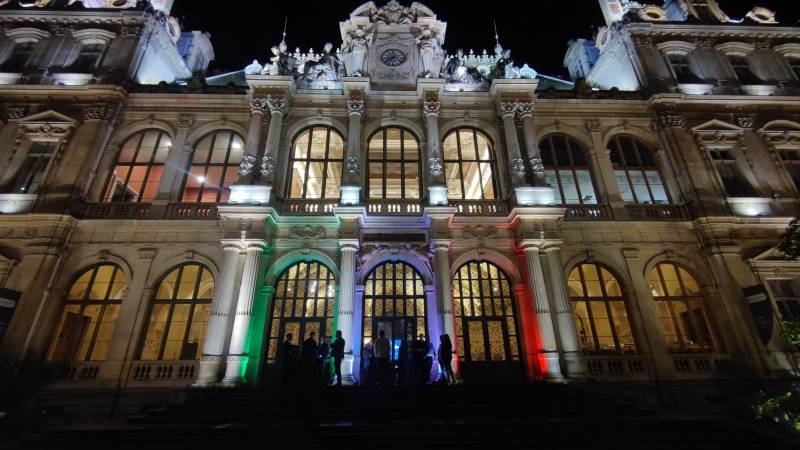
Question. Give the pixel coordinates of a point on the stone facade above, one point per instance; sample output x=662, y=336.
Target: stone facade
x=540, y=215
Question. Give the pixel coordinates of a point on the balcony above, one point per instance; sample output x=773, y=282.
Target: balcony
x=151, y=211
x=480, y=207
x=314, y=207
x=389, y=207
x=617, y=367
x=587, y=212
x=691, y=366
x=170, y=373
x=657, y=212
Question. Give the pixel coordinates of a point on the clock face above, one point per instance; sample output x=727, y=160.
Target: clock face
x=393, y=57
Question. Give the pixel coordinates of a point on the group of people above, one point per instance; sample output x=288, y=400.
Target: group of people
x=309, y=364
x=412, y=365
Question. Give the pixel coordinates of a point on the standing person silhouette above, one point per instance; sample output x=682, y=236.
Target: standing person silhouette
x=445, y=357
x=381, y=357
x=337, y=352
x=308, y=359
x=288, y=360
x=323, y=361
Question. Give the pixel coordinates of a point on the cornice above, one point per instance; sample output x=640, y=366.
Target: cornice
x=712, y=31
x=80, y=18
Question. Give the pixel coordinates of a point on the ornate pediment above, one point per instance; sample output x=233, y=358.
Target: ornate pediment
x=47, y=125
x=717, y=132
x=781, y=133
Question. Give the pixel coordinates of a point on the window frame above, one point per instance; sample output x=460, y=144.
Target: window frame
x=208, y=164
x=150, y=164
x=21, y=174
x=556, y=167
x=193, y=302
x=615, y=146
x=492, y=161
x=403, y=161
x=715, y=155
x=308, y=160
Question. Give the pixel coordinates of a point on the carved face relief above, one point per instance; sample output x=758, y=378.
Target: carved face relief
x=393, y=57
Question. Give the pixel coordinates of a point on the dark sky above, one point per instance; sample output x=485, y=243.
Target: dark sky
x=538, y=37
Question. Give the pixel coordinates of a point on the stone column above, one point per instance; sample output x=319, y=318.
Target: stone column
x=444, y=294
x=351, y=179
x=244, y=311
x=221, y=308
x=437, y=187
x=538, y=290
x=347, y=280
x=567, y=331
x=245, y=190
x=507, y=110
x=176, y=162
x=278, y=108
x=542, y=192
x=606, y=187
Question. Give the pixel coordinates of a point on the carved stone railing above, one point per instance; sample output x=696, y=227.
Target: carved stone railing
x=657, y=212
x=480, y=207
x=192, y=211
x=706, y=365
x=310, y=207
x=394, y=207
x=71, y=371
x=617, y=366
x=117, y=211
x=174, y=372
x=587, y=212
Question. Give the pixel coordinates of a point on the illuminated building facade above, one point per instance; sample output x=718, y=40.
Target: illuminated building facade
x=166, y=229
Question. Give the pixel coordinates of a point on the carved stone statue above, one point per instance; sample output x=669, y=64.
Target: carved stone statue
x=393, y=13
x=455, y=71
x=354, y=50
x=430, y=51
x=328, y=68
x=281, y=62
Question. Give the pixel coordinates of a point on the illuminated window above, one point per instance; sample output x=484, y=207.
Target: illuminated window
x=178, y=315
x=682, y=69
x=394, y=165
x=305, y=297
x=21, y=54
x=637, y=176
x=90, y=315
x=786, y=298
x=31, y=175
x=483, y=306
x=681, y=308
x=316, y=164
x=567, y=170
x=214, y=168
x=601, y=315
x=469, y=165
x=139, y=168
x=730, y=173
x=394, y=302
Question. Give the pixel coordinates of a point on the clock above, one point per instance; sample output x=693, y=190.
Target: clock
x=393, y=57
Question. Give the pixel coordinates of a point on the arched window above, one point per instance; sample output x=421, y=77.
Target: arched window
x=394, y=302
x=637, y=176
x=601, y=315
x=469, y=165
x=567, y=170
x=681, y=308
x=316, y=164
x=90, y=315
x=214, y=168
x=139, y=167
x=485, y=315
x=178, y=314
x=20, y=56
x=394, y=165
x=305, y=297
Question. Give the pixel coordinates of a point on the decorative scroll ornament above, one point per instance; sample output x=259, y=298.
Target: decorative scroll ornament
x=508, y=108
x=355, y=102
x=480, y=232
x=277, y=103
x=97, y=111
x=431, y=108
x=88, y=4
x=267, y=166
x=307, y=233
x=394, y=14
x=351, y=165
x=247, y=165
x=672, y=120
x=517, y=167
x=435, y=166
x=258, y=105
x=592, y=125
x=746, y=122
x=16, y=112
x=525, y=109
x=537, y=167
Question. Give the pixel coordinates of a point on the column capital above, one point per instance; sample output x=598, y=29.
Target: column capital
x=277, y=103
x=525, y=110
x=507, y=109
x=244, y=244
x=431, y=104
x=671, y=119
x=258, y=105
x=349, y=244
x=441, y=244
x=355, y=101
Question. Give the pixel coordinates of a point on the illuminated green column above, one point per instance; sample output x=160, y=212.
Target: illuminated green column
x=258, y=327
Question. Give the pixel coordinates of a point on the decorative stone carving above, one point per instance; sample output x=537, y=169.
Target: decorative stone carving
x=537, y=167
x=592, y=125
x=258, y=105
x=354, y=50
x=393, y=13
x=525, y=108
x=326, y=68
x=267, y=165
x=672, y=120
x=430, y=51
x=351, y=165
x=247, y=165
x=307, y=232
x=47, y=130
x=431, y=108
x=746, y=122
x=480, y=232
x=435, y=166
x=458, y=70
x=185, y=121
x=507, y=108
x=517, y=166
x=97, y=111
x=16, y=112
x=355, y=102
x=277, y=103
x=281, y=62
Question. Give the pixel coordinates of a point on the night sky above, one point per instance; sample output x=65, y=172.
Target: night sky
x=240, y=34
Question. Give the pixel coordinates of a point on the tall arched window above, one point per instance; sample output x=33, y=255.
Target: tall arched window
x=469, y=165
x=90, y=315
x=394, y=302
x=568, y=170
x=637, y=176
x=485, y=315
x=179, y=313
x=214, y=168
x=316, y=164
x=681, y=308
x=394, y=165
x=601, y=315
x=139, y=167
x=305, y=297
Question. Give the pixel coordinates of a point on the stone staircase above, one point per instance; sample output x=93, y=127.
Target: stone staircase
x=529, y=417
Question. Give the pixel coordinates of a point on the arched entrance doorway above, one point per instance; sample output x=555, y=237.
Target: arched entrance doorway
x=487, y=331
x=304, y=301
x=394, y=302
